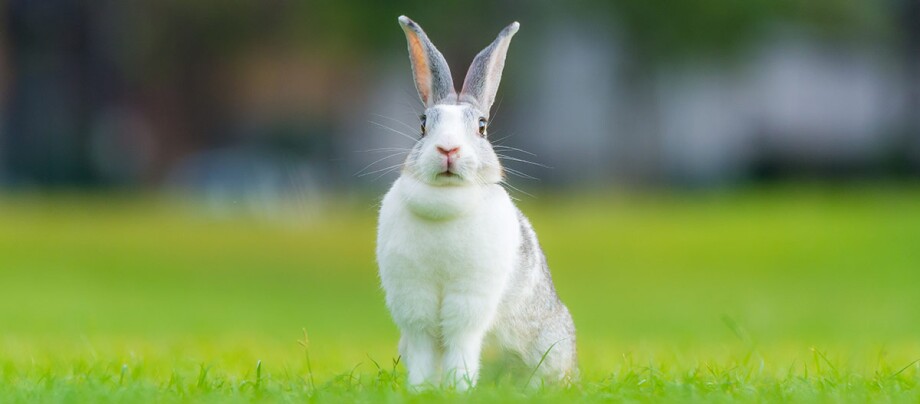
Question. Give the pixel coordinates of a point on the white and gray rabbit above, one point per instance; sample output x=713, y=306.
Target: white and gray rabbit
x=458, y=261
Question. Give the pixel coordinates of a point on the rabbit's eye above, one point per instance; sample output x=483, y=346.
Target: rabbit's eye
x=483, y=124
x=423, y=120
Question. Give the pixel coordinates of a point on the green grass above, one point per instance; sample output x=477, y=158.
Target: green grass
x=784, y=293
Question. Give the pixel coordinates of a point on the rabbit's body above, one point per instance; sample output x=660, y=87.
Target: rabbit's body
x=452, y=279
x=444, y=279
x=457, y=259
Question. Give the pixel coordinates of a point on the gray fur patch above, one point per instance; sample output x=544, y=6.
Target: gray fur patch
x=539, y=323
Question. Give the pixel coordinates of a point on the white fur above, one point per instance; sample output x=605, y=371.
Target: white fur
x=446, y=248
x=444, y=277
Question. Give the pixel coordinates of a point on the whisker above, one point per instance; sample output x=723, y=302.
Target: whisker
x=520, y=174
x=385, y=173
x=522, y=161
x=411, y=129
x=413, y=97
x=503, y=138
x=510, y=195
x=382, y=169
x=383, y=149
x=505, y=183
x=408, y=107
x=515, y=149
x=394, y=131
x=375, y=162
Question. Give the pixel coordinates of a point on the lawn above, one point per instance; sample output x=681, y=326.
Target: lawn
x=785, y=292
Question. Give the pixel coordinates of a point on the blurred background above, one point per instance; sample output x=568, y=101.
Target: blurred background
x=710, y=171
x=262, y=99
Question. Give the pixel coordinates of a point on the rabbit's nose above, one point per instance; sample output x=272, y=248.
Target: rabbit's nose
x=448, y=152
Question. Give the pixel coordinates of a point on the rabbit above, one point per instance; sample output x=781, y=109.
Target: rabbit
x=458, y=262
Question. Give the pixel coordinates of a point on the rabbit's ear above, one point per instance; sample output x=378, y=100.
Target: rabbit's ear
x=481, y=83
x=432, y=76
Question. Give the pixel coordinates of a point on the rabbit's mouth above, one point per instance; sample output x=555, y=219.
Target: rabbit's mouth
x=448, y=177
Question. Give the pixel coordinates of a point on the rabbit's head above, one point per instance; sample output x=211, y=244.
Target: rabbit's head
x=453, y=146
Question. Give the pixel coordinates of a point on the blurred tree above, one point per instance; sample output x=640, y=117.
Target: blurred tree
x=168, y=61
x=51, y=91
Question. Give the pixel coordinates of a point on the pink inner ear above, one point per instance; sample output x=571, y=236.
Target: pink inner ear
x=420, y=67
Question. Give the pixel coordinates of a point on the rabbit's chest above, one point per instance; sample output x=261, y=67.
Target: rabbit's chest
x=475, y=247
x=444, y=252
x=467, y=248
